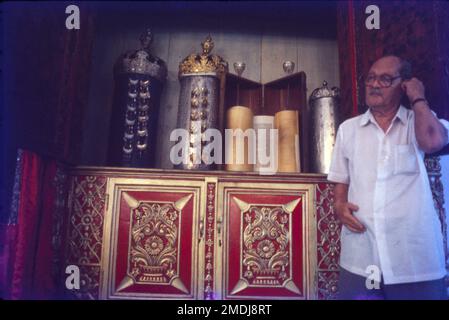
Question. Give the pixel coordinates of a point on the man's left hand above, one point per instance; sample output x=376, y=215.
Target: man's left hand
x=414, y=89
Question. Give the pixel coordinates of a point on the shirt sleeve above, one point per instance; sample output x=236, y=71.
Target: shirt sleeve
x=445, y=124
x=339, y=171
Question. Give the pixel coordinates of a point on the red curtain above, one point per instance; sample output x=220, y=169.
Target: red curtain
x=55, y=63
x=7, y=240
x=27, y=258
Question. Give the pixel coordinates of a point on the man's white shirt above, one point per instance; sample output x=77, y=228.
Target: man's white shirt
x=388, y=181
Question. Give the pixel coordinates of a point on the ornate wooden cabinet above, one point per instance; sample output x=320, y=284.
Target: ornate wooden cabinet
x=151, y=243
x=268, y=248
x=158, y=234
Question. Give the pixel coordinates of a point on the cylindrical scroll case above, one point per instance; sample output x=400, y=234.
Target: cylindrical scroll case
x=286, y=122
x=264, y=147
x=324, y=121
x=199, y=105
x=198, y=110
x=139, y=77
x=241, y=144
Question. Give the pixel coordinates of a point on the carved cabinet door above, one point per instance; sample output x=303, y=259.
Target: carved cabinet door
x=152, y=239
x=268, y=243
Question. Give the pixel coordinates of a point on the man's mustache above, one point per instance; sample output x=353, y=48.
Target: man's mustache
x=375, y=93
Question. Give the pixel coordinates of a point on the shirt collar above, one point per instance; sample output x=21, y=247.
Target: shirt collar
x=401, y=114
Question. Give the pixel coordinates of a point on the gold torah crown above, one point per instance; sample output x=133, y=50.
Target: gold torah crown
x=204, y=62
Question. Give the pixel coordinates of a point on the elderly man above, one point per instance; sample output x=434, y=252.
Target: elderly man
x=391, y=240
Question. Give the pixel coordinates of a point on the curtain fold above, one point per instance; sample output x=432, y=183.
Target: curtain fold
x=27, y=258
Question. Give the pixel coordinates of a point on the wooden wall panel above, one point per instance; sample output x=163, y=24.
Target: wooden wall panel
x=275, y=49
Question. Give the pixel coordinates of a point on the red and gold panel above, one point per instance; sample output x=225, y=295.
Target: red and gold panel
x=153, y=247
x=328, y=242
x=85, y=231
x=268, y=241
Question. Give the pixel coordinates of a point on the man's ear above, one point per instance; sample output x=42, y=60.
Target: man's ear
x=404, y=99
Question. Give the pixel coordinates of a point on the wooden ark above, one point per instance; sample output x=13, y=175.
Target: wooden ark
x=158, y=234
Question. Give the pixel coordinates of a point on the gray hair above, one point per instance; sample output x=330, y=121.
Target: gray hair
x=405, y=67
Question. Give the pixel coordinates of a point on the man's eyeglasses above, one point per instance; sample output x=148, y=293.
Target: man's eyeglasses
x=384, y=81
